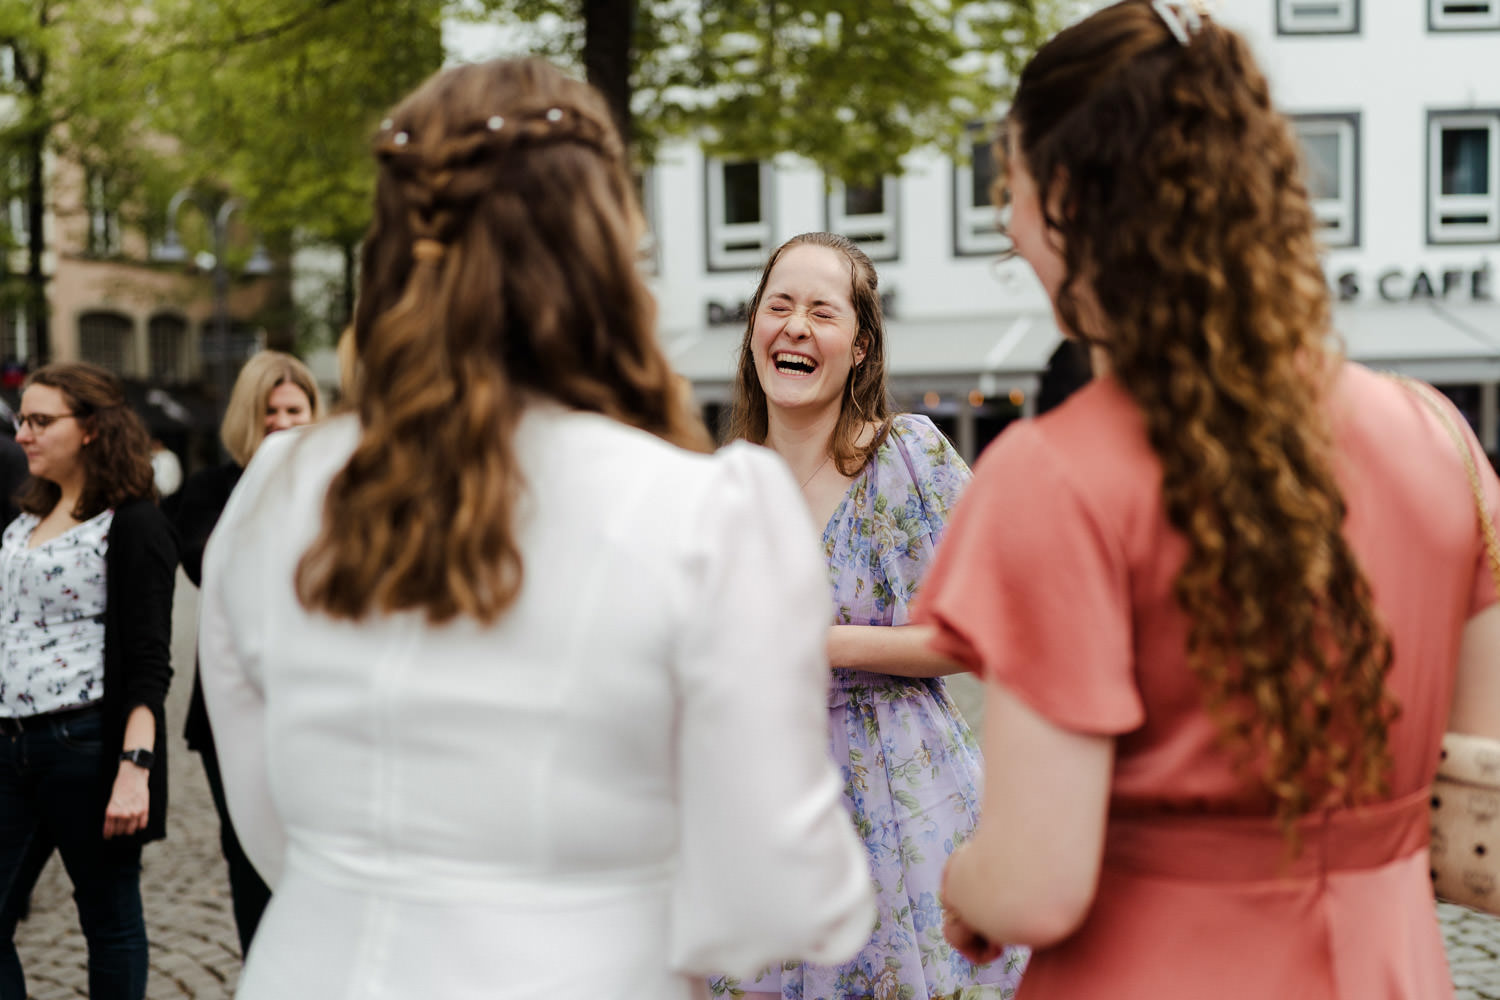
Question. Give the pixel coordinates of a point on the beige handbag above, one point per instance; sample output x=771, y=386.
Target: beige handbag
x=1466, y=793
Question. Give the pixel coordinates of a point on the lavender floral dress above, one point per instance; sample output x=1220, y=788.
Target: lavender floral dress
x=910, y=764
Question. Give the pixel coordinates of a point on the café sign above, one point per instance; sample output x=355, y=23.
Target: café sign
x=1420, y=284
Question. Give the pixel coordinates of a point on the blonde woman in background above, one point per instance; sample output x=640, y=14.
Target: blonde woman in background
x=273, y=392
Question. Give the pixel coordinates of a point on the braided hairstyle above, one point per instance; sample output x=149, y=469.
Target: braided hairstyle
x=1178, y=196
x=500, y=267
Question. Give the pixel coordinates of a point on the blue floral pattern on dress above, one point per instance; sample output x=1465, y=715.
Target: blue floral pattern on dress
x=910, y=764
x=52, y=600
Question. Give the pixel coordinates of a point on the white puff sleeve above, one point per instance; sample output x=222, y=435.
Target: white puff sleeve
x=770, y=866
x=228, y=661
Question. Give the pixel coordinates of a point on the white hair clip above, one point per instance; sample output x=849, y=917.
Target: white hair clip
x=554, y=115
x=1182, y=21
x=400, y=138
x=496, y=123
x=386, y=125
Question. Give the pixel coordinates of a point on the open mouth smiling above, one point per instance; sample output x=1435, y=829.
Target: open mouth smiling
x=788, y=363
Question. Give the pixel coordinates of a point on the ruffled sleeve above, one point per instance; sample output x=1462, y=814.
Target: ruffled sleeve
x=770, y=867
x=1031, y=590
x=919, y=479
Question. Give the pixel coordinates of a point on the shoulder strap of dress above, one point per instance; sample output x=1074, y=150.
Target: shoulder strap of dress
x=1428, y=395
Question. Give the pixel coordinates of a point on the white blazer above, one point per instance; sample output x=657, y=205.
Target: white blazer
x=621, y=786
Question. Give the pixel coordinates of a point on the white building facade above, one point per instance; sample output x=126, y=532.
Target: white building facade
x=1398, y=106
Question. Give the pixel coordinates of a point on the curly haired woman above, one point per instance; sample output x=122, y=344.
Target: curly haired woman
x=1222, y=597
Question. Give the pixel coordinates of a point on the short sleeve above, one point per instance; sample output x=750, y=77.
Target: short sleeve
x=770, y=867
x=1483, y=592
x=1029, y=590
x=921, y=481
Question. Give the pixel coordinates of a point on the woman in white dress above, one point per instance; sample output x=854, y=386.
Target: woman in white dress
x=516, y=694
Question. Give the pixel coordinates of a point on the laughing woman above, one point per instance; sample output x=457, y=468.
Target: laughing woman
x=86, y=577
x=811, y=386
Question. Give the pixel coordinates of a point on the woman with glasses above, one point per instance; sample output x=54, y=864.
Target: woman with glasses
x=86, y=578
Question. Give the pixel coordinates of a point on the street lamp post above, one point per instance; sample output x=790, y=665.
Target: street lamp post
x=171, y=251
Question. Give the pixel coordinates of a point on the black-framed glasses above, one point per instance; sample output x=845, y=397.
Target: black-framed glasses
x=40, y=421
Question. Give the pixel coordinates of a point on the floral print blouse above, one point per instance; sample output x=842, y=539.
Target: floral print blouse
x=52, y=603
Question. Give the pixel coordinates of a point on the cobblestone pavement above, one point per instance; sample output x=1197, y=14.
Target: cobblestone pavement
x=194, y=950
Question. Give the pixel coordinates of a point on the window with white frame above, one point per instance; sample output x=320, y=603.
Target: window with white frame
x=1463, y=177
x=976, y=221
x=866, y=213
x=1463, y=15
x=1317, y=17
x=648, y=251
x=1330, y=147
x=739, y=214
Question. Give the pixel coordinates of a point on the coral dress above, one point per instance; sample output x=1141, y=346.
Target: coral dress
x=1056, y=581
x=910, y=763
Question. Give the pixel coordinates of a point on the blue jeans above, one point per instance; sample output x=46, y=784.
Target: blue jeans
x=49, y=797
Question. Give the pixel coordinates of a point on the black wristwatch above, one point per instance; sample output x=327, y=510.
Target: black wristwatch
x=139, y=757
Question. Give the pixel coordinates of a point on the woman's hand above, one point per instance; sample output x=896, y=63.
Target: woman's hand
x=968, y=942
x=129, y=802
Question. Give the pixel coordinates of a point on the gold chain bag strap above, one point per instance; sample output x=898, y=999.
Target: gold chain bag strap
x=1466, y=792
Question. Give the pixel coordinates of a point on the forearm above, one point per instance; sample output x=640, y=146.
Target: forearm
x=901, y=650
x=140, y=729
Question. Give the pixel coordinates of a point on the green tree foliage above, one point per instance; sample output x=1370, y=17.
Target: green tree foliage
x=852, y=85
x=275, y=101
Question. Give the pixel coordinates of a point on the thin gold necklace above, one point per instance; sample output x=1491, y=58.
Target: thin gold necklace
x=816, y=471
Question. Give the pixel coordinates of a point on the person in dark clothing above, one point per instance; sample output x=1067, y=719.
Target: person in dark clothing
x=1068, y=370
x=274, y=391
x=13, y=475
x=86, y=581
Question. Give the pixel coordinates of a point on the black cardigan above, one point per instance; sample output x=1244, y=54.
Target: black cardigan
x=140, y=563
x=199, y=505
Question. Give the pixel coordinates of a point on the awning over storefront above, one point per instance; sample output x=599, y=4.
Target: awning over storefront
x=993, y=354
x=1446, y=344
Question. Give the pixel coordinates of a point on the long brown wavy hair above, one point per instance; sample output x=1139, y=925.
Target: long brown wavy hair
x=1179, y=198
x=866, y=399
x=500, y=268
x=117, y=459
